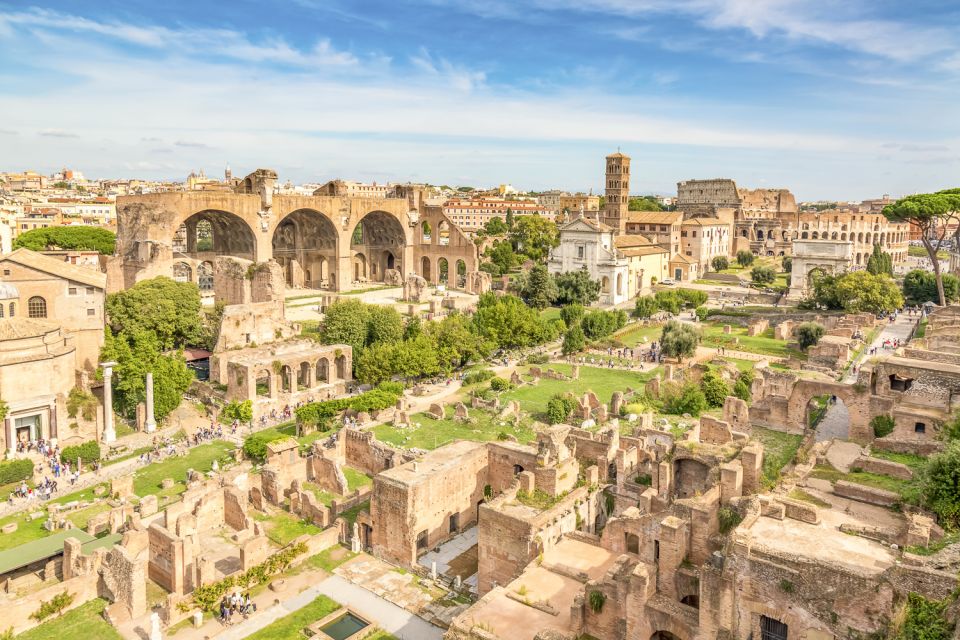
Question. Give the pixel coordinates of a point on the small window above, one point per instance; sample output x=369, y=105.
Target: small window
x=13, y=309
x=771, y=629
x=91, y=312
x=920, y=427
x=900, y=384
x=422, y=540
x=6, y=272
x=72, y=291
x=89, y=290
x=580, y=252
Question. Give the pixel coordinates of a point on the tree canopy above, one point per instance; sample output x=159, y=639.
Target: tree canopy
x=576, y=287
x=84, y=238
x=645, y=203
x=856, y=291
x=880, y=262
x=510, y=323
x=679, y=340
x=920, y=286
x=170, y=310
x=534, y=236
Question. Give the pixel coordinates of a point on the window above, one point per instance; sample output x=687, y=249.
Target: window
x=771, y=629
x=13, y=309
x=580, y=252
x=72, y=291
x=37, y=307
x=920, y=427
x=89, y=290
x=900, y=384
x=91, y=312
x=6, y=272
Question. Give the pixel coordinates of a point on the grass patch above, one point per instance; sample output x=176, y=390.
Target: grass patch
x=284, y=527
x=875, y=480
x=290, y=627
x=603, y=382
x=147, y=480
x=764, y=344
x=800, y=494
x=920, y=252
x=432, y=433
x=356, y=479
x=913, y=461
x=635, y=334
x=325, y=497
x=350, y=515
x=83, y=622
x=329, y=559
x=779, y=450
x=921, y=329
x=550, y=313
x=81, y=518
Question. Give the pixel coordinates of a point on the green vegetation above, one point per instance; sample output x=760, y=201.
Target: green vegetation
x=147, y=480
x=764, y=344
x=920, y=252
x=54, y=606
x=720, y=263
x=88, y=452
x=539, y=499
x=854, y=292
x=320, y=414
x=729, y=519
x=745, y=258
x=679, y=340
x=15, y=471
x=680, y=398
x=809, y=334
x=83, y=238
x=350, y=515
x=329, y=559
x=920, y=286
x=86, y=621
x=291, y=627
x=283, y=527
x=432, y=433
x=882, y=425
x=938, y=482
x=715, y=388
x=761, y=274
x=877, y=481
x=356, y=479
x=925, y=619
x=635, y=334
x=779, y=449
x=800, y=494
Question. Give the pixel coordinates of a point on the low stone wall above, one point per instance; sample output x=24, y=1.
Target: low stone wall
x=883, y=467
x=862, y=493
x=918, y=447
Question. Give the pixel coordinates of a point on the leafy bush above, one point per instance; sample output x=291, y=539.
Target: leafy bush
x=644, y=479
x=729, y=519
x=559, y=407
x=599, y=324
x=255, y=445
x=925, y=619
x=88, y=452
x=572, y=314
x=81, y=403
x=939, y=480
x=573, y=340
x=742, y=390
x=787, y=263
x=701, y=313
x=720, y=263
x=744, y=258
x=499, y=384
x=396, y=388
x=15, y=471
x=686, y=398
x=207, y=597
x=319, y=414
x=596, y=600
x=53, y=606
x=645, y=307
x=538, y=358
x=715, y=389
x=763, y=275
x=240, y=411
x=475, y=377
x=882, y=425
x=809, y=334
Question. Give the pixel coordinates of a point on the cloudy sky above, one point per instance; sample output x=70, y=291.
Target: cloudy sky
x=833, y=99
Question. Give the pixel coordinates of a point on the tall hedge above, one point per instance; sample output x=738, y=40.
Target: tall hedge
x=15, y=471
x=88, y=452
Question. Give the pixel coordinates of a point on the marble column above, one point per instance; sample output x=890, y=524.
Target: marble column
x=109, y=433
x=150, y=425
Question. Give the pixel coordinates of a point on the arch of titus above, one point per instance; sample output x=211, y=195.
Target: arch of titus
x=322, y=241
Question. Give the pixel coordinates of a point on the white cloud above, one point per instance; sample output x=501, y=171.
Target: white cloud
x=57, y=133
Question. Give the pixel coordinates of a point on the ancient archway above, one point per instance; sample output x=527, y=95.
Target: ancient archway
x=182, y=272
x=619, y=284
x=443, y=271
x=605, y=285
x=425, y=268
x=305, y=245
x=377, y=235
x=262, y=384
x=426, y=233
x=359, y=267
x=211, y=232
x=461, y=274
x=205, y=277
x=323, y=370
x=855, y=400
x=829, y=416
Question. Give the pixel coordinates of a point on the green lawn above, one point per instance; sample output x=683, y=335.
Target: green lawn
x=350, y=515
x=356, y=479
x=550, y=313
x=483, y=427
x=875, y=480
x=635, y=334
x=147, y=480
x=83, y=622
x=290, y=627
x=920, y=252
x=603, y=382
x=325, y=497
x=764, y=344
x=284, y=527
x=740, y=363
x=328, y=559
x=778, y=450
x=915, y=462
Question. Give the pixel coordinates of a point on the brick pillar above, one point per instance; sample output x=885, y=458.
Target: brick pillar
x=673, y=550
x=752, y=460
x=731, y=481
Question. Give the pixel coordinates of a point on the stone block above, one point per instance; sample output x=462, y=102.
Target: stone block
x=713, y=431
x=9, y=528
x=167, y=483
x=148, y=506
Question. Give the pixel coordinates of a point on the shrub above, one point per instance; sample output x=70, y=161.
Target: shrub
x=925, y=619
x=787, y=264
x=715, y=389
x=763, y=275
x=499, y=384
x=882, y=425
x=720, y=263
x=572, y=314
x=645, y=307
x=809, y=334
x=396, y=388
x=15, y=471
x=644, y=479
x=558, y=408
x=597, y=600
x=538, y=358
x=744, y=258
x=255, y=445
x=742, y=390
x=206, y=597
x=478, y=376
x=679, y=340
x=701, y=313
x=939, y=479
x=573, y=341
x=729, y=519
x=686, y=398
x=88, y=452
x=81, y=403
x=53, y=606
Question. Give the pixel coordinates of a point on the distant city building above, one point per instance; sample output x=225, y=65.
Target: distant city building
x=474, y=213
x=350, y=189
x=617, y=189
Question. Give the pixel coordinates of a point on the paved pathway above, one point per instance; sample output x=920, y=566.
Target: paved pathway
x=891, y=331
x=388, y=616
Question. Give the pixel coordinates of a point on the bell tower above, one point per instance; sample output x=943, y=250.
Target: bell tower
x=617, y=192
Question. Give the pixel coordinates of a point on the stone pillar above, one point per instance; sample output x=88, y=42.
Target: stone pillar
x=11, y=444
x=150, y=424
x=109, y=433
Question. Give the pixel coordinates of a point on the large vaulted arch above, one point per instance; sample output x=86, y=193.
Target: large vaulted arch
x=379, y=237
x=214, y=233
x=305, y=245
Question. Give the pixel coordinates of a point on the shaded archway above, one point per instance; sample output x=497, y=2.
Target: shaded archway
x=303, y=375
x=286, y=379
x=426, y=232
x=605, y=285
x=359, y=268
x=425, y=268
x=205, y=276
x=215, y=232
x=375, y=236
x=461, y=274
x=323, y=370
x=182, y=272
x=619, y=284
x=443, y=271
x=262, y=384
x=341, y=366
x=305, y=245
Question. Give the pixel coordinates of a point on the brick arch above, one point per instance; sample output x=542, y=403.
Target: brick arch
x=232, y=235
x=856, y=401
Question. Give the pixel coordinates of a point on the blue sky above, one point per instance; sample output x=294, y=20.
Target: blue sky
x=832, y=99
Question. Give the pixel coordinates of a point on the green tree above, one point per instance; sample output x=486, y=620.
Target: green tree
x=572, y=314
x=925, y=619
x=509, y=218
x=503, y=256
x=939, y=483
x=720, y=263
x=855, y=292
x=763, y=275
x=576, y=287
x=932, y=215
x=646, y=203
x=880, y=262
x=573, y=341
x=645, y=307
x=540, y=289
x=509, y=323
x=345, y=322
x=679, y=399
x=715, y=389
x=920, y=286
x=168, y=309
x=787, y=263
x=809, y=334
x=679, y=340
x=376, y=363
x=417, y=358
x=744, y=258
x=240, y=411
x=384, y=324
x=559, y=407
x=412, y=328
x=534, y=236
x=495, y=227
x=600, y=324
x=83, y=238
x=742, y=390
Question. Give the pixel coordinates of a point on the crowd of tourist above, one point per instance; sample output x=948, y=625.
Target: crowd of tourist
x=236, y=604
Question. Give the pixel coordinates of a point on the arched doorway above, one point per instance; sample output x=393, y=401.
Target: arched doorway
x=263, y=384
x=443, y=233
x=605, y=285
x=829, y=416
x=619, y=284
x=461, y=274
x=443, y=271
x=377, y=235
x=426, y=233
x=323, y=370
x=663, y=635
x=305, y=245
x=425, y=268
x=205, y=277
x=214, y=232
x=359, y=268
x=182, y=272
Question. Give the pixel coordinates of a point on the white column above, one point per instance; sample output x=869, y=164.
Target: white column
x=109, y=433
x=150, y=425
